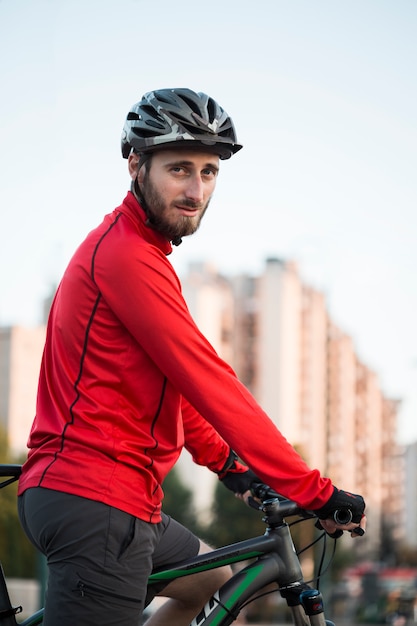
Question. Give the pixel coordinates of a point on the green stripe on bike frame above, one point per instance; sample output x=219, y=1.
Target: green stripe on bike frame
x=204, y=567
x=250, y=575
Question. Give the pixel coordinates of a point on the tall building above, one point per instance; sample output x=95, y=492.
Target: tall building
x=278, y=388
x=210, y=300
x=313, y=373
x=245, y=329
x=395, y=493
x=276, y=332
x=291, y=358
x=20, y=358
x=341, y=408
x=410, y=508
x=305, y=373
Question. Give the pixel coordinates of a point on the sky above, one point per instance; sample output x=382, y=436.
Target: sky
x=323, y=94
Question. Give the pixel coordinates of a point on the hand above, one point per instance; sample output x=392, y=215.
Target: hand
x=342, y=504
x=239, y=478
x=332, y=529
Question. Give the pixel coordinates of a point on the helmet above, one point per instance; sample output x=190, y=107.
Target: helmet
x=179, y=117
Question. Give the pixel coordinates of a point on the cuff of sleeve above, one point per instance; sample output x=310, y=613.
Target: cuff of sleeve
x=231, y=459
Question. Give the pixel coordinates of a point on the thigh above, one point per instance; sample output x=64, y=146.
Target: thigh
x=99, y=558
x=200, y=585
x=175, y=544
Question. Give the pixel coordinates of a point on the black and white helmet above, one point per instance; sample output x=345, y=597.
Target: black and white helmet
x=179, y=117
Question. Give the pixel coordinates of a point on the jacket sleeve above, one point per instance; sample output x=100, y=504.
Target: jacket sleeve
x=142, y=288
x=202, y=441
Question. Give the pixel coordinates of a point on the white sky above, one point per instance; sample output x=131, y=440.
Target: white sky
x=323, y=94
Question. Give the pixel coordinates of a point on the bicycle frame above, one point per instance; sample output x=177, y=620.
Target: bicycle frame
x=273, y=560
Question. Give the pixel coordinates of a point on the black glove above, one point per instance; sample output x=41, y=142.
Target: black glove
x=343, y=507
x=236, y=476
x=239, y=481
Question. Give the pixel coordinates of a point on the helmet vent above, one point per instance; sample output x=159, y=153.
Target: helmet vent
x=168, y=99
x=193, y=105
x=143, y=132
x=155, y=124
x=212, y=109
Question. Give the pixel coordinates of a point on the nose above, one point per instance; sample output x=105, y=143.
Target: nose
x=195, y=189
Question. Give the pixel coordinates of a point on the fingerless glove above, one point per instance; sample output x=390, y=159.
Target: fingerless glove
x=342, y=501
x=236, y=476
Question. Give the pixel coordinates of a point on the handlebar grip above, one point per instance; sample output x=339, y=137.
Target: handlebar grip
x=343, y=516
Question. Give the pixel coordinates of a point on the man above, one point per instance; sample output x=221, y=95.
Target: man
x=127, y=380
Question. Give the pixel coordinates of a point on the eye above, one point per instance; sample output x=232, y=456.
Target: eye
x=178, y=170
x=208, y=172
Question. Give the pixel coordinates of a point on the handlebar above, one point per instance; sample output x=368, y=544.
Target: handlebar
x=274, y=505
x=9, y=473
x=285, y=508
x=10, y=469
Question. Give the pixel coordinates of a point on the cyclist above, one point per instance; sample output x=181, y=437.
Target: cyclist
x=127, y=379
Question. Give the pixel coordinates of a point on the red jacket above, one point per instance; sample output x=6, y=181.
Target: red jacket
x=126, y=377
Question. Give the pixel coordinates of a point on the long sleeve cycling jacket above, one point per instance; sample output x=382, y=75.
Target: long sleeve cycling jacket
x=127, y=379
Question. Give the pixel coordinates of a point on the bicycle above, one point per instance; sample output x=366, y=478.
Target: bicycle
x=272, y=557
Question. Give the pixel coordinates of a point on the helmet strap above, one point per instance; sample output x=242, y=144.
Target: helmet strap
x=135, y=189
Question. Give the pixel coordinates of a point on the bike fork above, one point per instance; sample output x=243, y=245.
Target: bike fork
x=309, y=611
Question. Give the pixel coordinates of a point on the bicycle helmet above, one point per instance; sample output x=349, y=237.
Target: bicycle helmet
x=179, y=117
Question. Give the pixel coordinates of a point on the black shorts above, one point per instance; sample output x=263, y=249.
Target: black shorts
x=99, y=558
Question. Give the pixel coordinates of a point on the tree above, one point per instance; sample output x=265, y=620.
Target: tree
x=232, y=520
x=17, y=554
x=178, y=502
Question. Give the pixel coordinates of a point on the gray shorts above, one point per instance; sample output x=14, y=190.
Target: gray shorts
x=99, y=558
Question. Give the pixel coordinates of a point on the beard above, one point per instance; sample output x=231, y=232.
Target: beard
x=164, y=218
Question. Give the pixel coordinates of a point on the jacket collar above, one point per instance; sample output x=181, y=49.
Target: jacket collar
x=132, y=208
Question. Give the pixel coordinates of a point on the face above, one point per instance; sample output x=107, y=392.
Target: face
x=177, y=186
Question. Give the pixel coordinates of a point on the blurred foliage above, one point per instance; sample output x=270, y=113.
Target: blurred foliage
x=407, y=555
x=18, y=556
x=178, y=502
x=231, y=519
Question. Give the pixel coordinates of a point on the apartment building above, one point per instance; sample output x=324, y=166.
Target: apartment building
x=291, y=358
x=326, y=401
x=410, y=521
x=306, y=374
x=20, y=357
x=210, y=300
x=278, y=388
x=276, y=332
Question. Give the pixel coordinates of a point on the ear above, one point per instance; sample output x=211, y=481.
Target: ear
x=133, y=162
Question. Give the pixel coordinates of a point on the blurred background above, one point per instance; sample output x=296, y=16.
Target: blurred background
x=323, y=196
